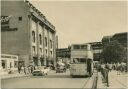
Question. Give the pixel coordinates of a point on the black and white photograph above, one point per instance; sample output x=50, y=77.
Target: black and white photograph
x=64, y=44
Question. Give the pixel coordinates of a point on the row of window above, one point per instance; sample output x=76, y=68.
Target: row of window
x=80, y=47
x=34, y=50
x=40, y=39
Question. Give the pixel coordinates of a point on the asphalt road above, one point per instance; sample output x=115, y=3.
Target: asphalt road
x=52, y=80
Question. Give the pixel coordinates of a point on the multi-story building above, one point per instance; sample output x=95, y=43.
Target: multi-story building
x=106, y=40
x=97, y=49
x=63, y=53
x=26, y=32
x=120, y=37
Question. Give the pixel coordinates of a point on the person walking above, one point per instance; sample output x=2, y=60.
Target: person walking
x=25, y=70
x=31, y=69
x=102, y=70
x=19, y=69
x=107, y=69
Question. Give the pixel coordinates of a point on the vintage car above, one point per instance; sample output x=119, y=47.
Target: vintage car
x=60, y=69
x=37, y=73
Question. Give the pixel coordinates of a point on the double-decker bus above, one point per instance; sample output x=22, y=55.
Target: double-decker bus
x=81, y=60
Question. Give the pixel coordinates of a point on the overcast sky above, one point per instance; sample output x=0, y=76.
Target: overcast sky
x=84, y=21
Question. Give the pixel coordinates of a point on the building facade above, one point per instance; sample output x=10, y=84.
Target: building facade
x=63, y=53
x=121, y=40
x=97, y=49
x=26, y=32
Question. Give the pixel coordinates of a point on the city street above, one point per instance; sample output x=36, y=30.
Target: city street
x=85, y=41
x=52, y=80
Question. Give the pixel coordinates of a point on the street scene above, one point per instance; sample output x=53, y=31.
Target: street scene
x=64, y=44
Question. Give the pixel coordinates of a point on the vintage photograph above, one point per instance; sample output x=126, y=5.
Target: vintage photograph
x=64, y=44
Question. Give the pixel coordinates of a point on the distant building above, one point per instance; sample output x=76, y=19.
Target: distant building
x=26, y=32
x=120, y=37
x=106, y=40
x=63, y=53
x=97, y=49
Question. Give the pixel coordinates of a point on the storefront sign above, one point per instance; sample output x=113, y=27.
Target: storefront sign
x=5, y=24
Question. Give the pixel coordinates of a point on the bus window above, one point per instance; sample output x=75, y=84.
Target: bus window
x=76, y=47
x=82, y=60
x=84, y=47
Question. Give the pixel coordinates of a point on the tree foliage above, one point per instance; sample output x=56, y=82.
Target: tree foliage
x=114, y=52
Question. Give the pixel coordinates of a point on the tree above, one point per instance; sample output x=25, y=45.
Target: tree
x=114, y=52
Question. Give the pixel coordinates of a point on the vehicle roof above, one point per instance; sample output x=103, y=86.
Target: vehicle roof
x=37, y=70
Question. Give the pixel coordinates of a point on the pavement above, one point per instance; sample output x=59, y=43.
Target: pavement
x=115, y=81
x=52, y=80
x=14, y=75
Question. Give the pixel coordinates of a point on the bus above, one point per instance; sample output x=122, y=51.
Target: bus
x=81, y=60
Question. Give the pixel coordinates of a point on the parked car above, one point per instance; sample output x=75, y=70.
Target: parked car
x=45, y=70
x=37, y=73
x=60, y=69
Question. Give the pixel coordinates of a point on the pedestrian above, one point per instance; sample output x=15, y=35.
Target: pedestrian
x=106, y=75
x=31, y=69
x=25, y=70
x=22, y=69
x=118, y=68
x=19, y=69
x=102, y=70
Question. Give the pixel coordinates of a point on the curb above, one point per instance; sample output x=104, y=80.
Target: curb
x=14, y=77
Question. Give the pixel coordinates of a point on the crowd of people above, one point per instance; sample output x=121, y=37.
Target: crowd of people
x=26, y=70
x=119, y=67
x=106, y=68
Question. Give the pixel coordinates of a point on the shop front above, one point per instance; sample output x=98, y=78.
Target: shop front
x=9, y=62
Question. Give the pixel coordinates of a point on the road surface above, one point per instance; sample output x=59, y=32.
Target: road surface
x=52, y=80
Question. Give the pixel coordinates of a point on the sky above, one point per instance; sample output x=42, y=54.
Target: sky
x=84, y=21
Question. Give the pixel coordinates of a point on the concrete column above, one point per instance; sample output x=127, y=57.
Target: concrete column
x=43, y=45
x=48, y=46
x=30, y=41
x=54, y=49
x=38, y=54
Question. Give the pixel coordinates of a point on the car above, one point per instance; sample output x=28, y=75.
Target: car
x=45, y=70
x=60, y=69
x=37, y=73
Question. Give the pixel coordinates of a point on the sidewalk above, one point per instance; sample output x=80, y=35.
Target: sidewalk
x=91, y=83
x=115, y=81
x=15, y=75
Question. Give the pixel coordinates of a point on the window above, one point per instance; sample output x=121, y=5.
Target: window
x=83, y=46
x=40, y=50
x=76, y=47
x=45, y=41
x=3, y=64
x=51, y=43
x=51, y=53
x=40, y=38
x=20, y=18
x=46, y=51
x=34, y=49
x=15, y=64
x=33, y=36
